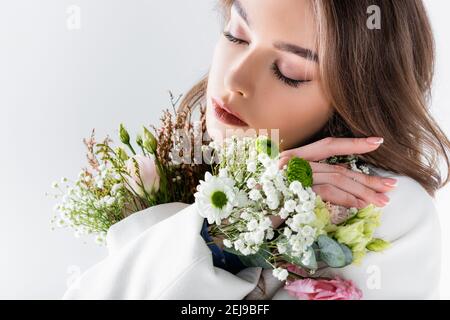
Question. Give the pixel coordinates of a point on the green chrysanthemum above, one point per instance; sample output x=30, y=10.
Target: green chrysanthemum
x=299, y=169
x=219, y=199
x=265, y=145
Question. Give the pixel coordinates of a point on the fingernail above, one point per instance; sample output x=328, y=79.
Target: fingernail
x=392, y=183
x=383, y=199
x=375, y=140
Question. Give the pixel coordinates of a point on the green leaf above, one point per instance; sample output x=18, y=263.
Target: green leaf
x=348, y=254
x=331, y=252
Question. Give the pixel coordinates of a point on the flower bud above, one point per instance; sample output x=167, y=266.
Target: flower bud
x=123, y=134
x=150, y=142
x=378, y=245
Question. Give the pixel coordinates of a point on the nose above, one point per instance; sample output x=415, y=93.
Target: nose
x=240, y=77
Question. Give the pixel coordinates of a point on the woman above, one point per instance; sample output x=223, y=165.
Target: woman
x=332, y=80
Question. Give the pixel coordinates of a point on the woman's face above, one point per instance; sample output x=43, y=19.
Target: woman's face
x=271, y=42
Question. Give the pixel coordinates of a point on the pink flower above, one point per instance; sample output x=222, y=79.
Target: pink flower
x=148, y=173
x=333, y=289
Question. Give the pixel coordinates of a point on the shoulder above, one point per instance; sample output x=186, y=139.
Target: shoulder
x=410, y=207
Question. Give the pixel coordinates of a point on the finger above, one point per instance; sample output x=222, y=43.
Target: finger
x=330, y=146
x=276, y=221
x=353, y=187
x=379, y=184
x=282, y=162
x=337, y=196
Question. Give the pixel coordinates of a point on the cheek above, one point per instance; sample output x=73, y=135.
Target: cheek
x=297, y=115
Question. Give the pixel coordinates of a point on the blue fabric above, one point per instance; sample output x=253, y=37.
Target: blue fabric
x=221, y=259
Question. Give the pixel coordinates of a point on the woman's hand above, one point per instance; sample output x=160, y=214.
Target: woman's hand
x=336, y=183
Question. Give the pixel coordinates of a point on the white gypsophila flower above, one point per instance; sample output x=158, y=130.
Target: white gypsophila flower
x=304, y=195
x=257, y=237
x=251, y=183
x=239, y=245
x=247, y=251
x=255, y=195
x=287, y=232
x=251, y=166
x=305, y=207
x=214, y=198
x=253, y=154
x=223, y=172
x=252, y=225
x=280, y=273
x=301, y=219
x=264, y=159
x=290, y=205
x=270, y=234
x=282, y=248
x=273, y=203
x=271, y=170
x=227, y=243
x=283, y=213
x=245, y=215
x=241, y=199
x=296, y=186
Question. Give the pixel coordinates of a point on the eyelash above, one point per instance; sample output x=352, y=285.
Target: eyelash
x=275, y=69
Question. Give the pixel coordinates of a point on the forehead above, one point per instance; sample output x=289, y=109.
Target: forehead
x=278, y=20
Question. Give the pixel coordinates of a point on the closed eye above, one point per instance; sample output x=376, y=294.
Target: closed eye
x=274, y=68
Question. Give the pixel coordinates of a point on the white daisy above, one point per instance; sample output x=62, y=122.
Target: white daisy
x=214, y=198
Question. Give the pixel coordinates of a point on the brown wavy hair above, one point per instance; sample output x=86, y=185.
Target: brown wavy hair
x=379, y=83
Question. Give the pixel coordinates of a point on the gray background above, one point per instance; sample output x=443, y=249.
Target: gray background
x=57, y=83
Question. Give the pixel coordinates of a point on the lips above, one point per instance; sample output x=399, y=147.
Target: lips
x=225, y=114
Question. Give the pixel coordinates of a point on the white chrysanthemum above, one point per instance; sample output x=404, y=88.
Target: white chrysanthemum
x=280, y=273
x=214, y=198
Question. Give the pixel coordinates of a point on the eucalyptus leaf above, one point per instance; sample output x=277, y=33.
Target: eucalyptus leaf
x=348, y=254
x=331, y=252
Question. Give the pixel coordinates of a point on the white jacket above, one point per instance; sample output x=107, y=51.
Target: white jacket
x=158, y=253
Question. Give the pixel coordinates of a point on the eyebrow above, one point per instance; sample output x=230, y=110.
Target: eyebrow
x=283, y=46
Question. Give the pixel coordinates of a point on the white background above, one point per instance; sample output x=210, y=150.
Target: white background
x=57, y=84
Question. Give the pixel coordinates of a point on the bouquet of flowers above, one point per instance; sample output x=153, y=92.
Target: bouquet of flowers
x=265, y=215
x=247, y=192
